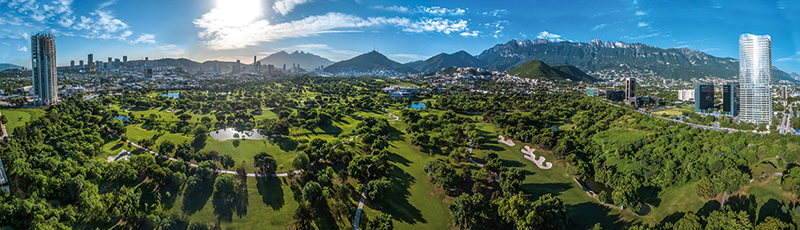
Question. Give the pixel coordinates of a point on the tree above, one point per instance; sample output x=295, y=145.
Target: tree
x=225, y=187
x=166, y=147
x=115, y=125
x=197, y=225
x=312, y=192
x=772, y=223
x=302, y=217
x=467, y=211
x=3, y=119
x=200, y=133
x=624, y=196
x=690, y=221
x=511, y=181
x=547, y=212
x=442, y=175
x=184, y=117
x=379, y=188
x=300, y=161
x=728, y=219
x=381, y=222
x=206, y=120
x=359, y=166
x=227, y=161
x=603, y=196
x=704, y=188
x=265, y=162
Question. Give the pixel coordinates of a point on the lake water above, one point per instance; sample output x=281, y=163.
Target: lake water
x=417, y=106
x=173, y=95
x=597, y=186
x=227, y=134
x=124, y=119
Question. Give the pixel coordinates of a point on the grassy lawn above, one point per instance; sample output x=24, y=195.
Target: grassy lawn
x=762, y=199
x=617, y=137
x=677, y=200
x=677, y=111
x=18, y=117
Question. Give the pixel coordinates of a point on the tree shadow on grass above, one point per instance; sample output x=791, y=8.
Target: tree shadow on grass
x=588, y=214
x=744, y=203
x=537, y=190
x=286, y=144
x=396, y=202
x=672, y=218
x=331, y=130
x=709, y=207
x=271, y=192
x=394, y=157
x=397, y=135
x=195, y=200
x=773, y=208
x=512, y=163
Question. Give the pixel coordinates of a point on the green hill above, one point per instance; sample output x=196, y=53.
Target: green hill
x=368, y=62
x=539, y=70
x=443, y=60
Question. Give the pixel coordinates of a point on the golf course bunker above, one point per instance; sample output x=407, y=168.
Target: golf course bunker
x=528, y=151
x=232, y=133
x=503, y=140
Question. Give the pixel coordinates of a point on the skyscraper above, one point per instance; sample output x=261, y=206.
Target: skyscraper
x=730, y=98
x=90, y=60
x=43, y=60
x=109, y=61
x=630, y=91
x=755, y=71
x=72, y=64
x=238, y=66
x=703, y=96
x=125, y=61
x=116, y=63
x=80, y=63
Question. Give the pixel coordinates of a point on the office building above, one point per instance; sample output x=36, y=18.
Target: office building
x=258, y=67
x=703, y=97
x=784, y=92
x=755, y=71
x=686, y=95
x=109, y=61
x=730, y=98
x=116, y=63
x=80, y=63
x=72, y=64
x=43, y=60
x=125, y=61
x=630, y=91
x=615, y=95
x=148, y=73
x=238, y=66
x=90, y=60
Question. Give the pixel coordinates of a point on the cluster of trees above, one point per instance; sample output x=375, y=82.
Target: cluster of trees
x=438, y=134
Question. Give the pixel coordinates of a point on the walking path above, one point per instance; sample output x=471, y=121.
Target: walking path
x=3, y=126
x=396, y=118
x=360, y=205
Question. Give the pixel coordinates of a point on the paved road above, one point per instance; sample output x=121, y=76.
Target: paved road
x=3, y=126
x=360, y=205
x=727, y=130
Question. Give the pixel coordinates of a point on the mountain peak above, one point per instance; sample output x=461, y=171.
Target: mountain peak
x=366, y=62
x=304, y=59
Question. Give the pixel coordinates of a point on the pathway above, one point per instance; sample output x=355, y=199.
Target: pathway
x=360, y=205
x=3, y=126
x=396, y=118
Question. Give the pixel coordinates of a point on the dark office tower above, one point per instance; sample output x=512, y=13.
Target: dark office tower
x=80, y=63
x=148, y=73
x=630, y=88
x=703, y=96
x=216, y=66
x=90, y=60
x=116, y=63
x=284, y=67
x=254, y=60
x=258, y=67
x=109, y=60
x=730, y=98
x=72, y=64
x=125, y=61
x=43, y=60
x=238, y=66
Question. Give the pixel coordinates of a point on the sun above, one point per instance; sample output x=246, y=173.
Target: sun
x=238, y=12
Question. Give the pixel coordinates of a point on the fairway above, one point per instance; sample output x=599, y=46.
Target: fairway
x=18, y=117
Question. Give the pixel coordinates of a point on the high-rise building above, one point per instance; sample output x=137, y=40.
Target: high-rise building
x=43, y=60
x=80, y=63
x=258, y=67
x=755, y=71
x=125, y=61
x=686, y=95
x=90, y=60
x=109, y=61
x=72, y=64
x=630, y=90
x=703, y=96
x=730, y=98
x=116, y=63
x=238, y=66
x=148, y=73
x=784, y=92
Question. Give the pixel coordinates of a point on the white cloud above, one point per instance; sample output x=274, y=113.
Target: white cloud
x=409, y=56
x=642, y=36
x=498, y=27
x=795, y=57
x=106, y=4
x=22, y=48
x=597, y=27
x=395, y=8
x=285, y=6
x=5, y=44
x=145, y=38
x=167, y=47
x=495, y=13
x=551, y=36
x=643, y=24
x=441, y=11
x=473, y=33
x=103, y=25
x=222, y=36
x=640, y=13
x=306, y=47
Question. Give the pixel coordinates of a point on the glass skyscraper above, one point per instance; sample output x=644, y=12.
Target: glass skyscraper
x=755, y=71
x=43, y=61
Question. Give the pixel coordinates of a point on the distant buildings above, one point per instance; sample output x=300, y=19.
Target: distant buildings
x=43, y=60
x=730, y=98
x=117, y=64
x=755, y=69
x=400, y=91
x=592, y=92
x=703, y=96
x=686, y=95
x=784, y=92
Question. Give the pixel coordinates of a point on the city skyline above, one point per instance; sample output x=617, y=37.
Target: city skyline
x=408, y=31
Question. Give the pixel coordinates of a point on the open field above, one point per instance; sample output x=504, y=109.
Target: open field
x=18, y=117
x=677, y=111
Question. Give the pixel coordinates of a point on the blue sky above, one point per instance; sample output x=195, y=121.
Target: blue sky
x=403, y=30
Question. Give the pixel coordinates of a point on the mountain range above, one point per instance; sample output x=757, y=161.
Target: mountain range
x=305, y=60
x=443, y=60
x=368, y=62
x=539, y=70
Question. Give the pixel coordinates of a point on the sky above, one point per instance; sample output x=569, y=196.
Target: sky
x=405, y=31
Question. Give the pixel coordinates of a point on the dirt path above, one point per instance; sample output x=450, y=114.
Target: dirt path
x=3, y=126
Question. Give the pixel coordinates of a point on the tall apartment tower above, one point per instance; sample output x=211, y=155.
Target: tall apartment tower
x=80, y=63
x=125, y=61
x=72, y=64
x=43, y=60
x=90, y=60
x=116, y=63
x=755, y=71
x=109, y=62
x=238, y=66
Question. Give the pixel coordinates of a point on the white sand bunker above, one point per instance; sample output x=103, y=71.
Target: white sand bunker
x=123, y=155
x=528, y=151
x=503, y=140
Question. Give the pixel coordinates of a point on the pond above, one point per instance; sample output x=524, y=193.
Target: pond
x=173, y=95
x=417, y=106
x=597, y=186
x=230, y=133
x=124, y=119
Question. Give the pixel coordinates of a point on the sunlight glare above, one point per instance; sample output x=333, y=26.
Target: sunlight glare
x=239, y=12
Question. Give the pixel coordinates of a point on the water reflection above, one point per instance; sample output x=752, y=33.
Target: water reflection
x=232, y=133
